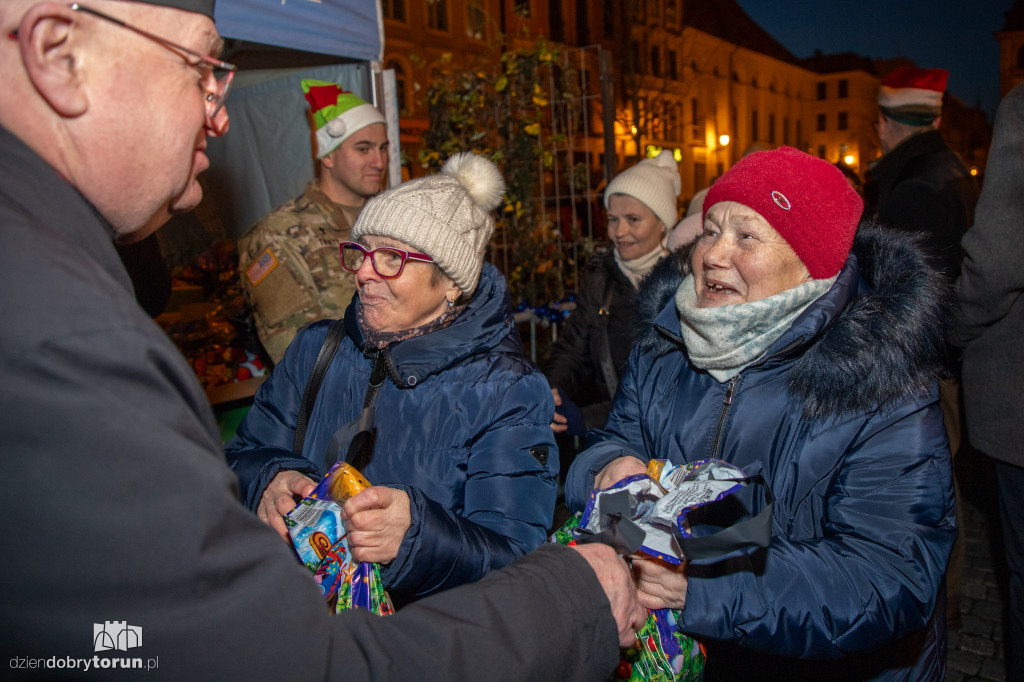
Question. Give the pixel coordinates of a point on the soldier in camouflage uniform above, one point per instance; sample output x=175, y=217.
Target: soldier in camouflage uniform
x=290, y=260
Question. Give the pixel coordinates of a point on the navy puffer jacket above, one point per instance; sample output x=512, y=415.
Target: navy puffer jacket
x=841, y=417
x=462, y=426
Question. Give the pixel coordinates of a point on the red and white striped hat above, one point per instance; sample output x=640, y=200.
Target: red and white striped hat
x=914, y=91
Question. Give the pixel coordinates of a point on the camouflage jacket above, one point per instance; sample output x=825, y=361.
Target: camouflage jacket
x=291, y=269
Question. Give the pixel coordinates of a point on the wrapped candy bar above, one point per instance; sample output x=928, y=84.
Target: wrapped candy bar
x=319, y=537
x=652, y=513
x=658, y=506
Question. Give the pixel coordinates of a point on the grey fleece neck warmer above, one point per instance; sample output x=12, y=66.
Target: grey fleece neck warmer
x=724, y=340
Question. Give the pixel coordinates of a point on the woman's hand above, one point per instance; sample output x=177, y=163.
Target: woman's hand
x=286, y=489
x=618, y=469
x=377, y=520
x=660, y=585
x=559, y=423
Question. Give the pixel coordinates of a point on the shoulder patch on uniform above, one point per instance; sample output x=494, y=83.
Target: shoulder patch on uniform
x=261, y=267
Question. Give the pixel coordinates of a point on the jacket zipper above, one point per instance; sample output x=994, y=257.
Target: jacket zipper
x=716, y=443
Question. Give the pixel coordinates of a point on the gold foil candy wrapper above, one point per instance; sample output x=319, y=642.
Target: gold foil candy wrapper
x=345, y=481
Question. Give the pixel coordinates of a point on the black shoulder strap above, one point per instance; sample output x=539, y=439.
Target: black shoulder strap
x=611, y=380
x=316, y=377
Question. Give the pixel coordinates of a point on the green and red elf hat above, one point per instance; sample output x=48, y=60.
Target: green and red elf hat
x=336, y=114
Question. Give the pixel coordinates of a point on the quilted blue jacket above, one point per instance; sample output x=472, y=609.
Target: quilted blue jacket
x=462, y=425
x=841, y=417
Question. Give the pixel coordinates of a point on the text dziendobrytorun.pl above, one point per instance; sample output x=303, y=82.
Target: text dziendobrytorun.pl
x=86, y=664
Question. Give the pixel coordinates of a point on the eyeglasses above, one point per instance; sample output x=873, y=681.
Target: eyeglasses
x=387, y=262
x=221, y=72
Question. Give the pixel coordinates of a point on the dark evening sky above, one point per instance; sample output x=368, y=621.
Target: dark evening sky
x=956, y=35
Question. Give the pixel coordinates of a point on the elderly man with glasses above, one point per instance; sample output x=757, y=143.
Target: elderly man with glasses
x=121, y=513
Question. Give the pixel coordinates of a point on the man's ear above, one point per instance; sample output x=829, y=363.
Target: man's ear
x=49, y=54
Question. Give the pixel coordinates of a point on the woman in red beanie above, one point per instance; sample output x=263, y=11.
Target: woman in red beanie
x=789, y=343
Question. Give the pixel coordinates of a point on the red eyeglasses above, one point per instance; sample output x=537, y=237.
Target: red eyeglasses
x=387, y=261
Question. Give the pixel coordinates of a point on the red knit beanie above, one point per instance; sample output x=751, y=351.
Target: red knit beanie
x=807, y=200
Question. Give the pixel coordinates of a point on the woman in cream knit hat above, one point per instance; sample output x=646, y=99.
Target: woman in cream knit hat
x=463, y=480
x=587, y=360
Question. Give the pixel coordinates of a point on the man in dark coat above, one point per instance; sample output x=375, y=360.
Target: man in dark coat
x=990, y=326
x=919, y=184
x=121, y=512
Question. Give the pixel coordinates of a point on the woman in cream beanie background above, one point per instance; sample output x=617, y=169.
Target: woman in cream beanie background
x=462, y=480
x=587, y=360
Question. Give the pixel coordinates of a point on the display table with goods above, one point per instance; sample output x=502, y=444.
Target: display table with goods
x=207, y=317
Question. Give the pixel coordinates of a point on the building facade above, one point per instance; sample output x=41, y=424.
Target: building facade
x=695, y=76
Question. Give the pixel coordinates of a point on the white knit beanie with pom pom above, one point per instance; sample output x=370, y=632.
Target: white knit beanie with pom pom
x=655, y=182
x=446, y=216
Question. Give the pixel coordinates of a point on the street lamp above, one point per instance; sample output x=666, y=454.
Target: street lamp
x=723, y=142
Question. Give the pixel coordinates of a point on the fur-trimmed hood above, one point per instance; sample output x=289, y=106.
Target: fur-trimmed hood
x=875, y=336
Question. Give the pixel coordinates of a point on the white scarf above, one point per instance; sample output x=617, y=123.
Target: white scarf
x=638, y=267
x=726, y=339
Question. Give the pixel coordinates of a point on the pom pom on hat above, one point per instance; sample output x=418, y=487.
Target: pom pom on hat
x=336, y=114
x=480, y=177
x=446, y=216
x=807, y=200
x=654, y=182
x=911, y=95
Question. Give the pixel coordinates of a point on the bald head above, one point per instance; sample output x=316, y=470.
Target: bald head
x=118, y=114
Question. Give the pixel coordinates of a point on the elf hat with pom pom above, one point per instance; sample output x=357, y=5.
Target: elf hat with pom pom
x=336, y=114
x=446, y=216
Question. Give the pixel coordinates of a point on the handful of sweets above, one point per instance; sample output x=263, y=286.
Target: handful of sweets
x=656, y=513
x=321, y=541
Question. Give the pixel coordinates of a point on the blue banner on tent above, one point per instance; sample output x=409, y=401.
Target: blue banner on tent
x=347, y=28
